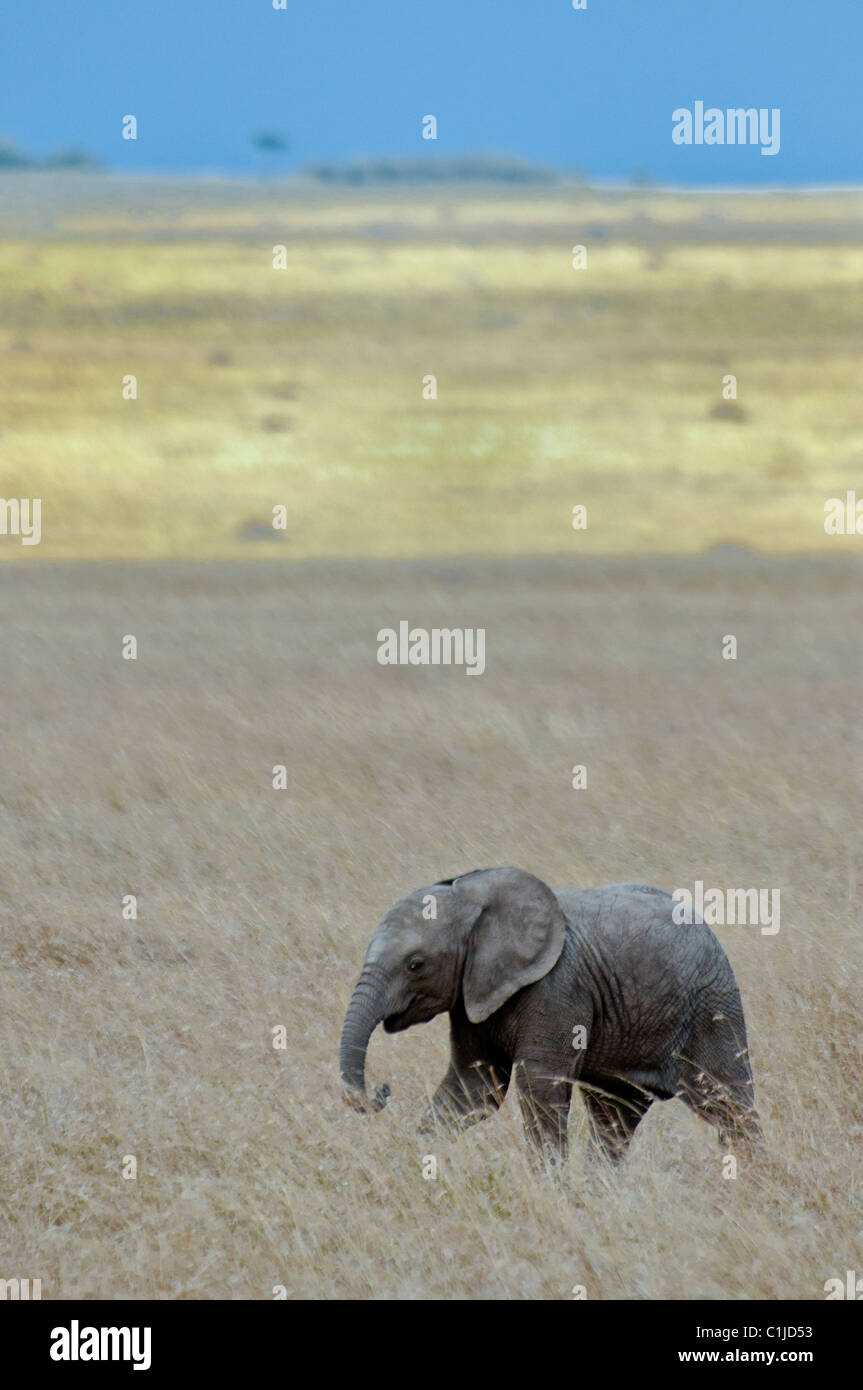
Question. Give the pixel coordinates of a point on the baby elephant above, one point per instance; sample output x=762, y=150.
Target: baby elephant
x=601, y=987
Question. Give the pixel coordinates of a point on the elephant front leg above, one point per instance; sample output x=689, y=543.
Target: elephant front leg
x=615, y=1114
x=545, y=1101
x=465, y=1097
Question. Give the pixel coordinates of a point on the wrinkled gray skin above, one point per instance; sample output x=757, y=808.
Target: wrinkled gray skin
x=519, y=967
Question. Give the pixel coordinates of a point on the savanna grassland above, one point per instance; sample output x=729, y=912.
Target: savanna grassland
x=302, y=387
x=154, y=1037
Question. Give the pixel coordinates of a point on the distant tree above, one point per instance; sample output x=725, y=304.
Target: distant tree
x=270, y=146
x=71, y=159
x=465, y=169
x=13, y=158
x=269, y=141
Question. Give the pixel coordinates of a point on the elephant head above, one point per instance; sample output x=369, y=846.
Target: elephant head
x=479, y=938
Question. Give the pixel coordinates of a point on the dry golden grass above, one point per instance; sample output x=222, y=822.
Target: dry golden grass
x=153, y=1037
x=303, y=387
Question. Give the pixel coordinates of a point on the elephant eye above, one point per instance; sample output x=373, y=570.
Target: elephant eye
x=416, y=964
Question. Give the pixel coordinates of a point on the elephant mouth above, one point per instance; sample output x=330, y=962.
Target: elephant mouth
x=396, y=1023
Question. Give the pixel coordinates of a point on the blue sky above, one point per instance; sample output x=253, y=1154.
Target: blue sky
x=591, y=90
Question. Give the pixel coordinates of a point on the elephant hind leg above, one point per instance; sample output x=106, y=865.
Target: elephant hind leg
x=729, y=1106
x=615, y=1113
x=716, y=1080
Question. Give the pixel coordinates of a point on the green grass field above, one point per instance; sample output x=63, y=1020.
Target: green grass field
x=303, y=387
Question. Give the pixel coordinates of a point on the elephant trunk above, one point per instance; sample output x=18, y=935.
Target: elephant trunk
x=365, y=1012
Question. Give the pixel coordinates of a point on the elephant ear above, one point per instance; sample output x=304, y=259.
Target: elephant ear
x=516, y=936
